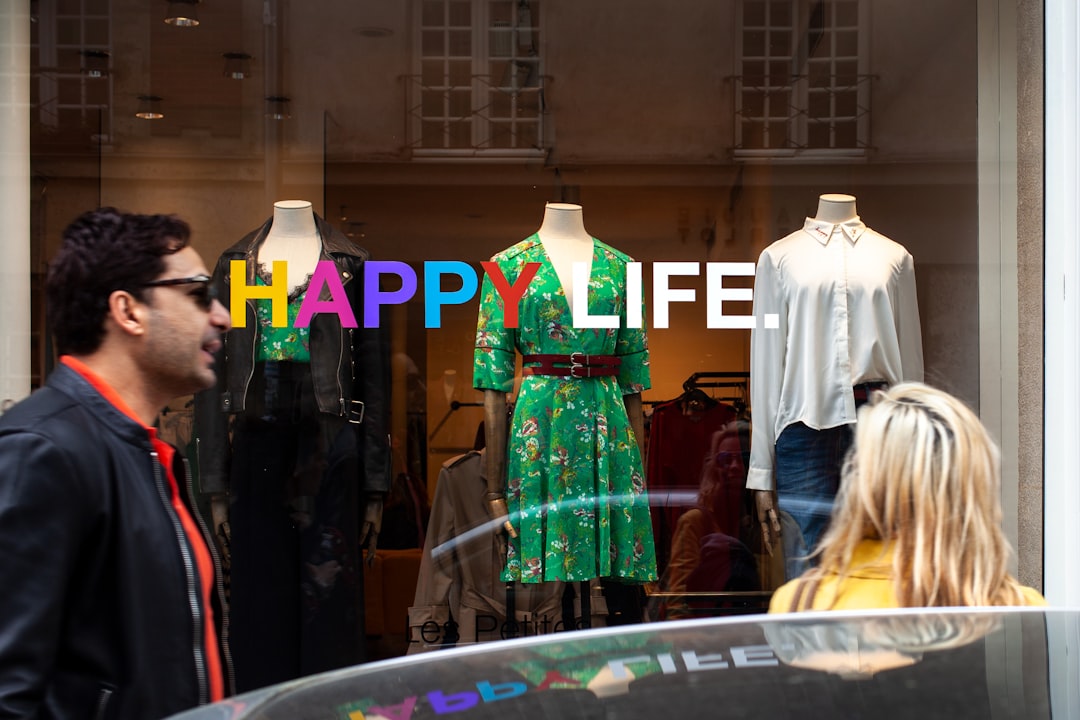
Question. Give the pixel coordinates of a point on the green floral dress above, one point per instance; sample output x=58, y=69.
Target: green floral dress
x=575, y=484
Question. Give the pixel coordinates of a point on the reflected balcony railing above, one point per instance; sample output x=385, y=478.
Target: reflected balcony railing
x=492, y=117
x=813, y=114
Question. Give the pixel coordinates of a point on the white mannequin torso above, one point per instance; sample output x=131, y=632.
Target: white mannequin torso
x=294, y=238
x=835, y=208
x=566, y=242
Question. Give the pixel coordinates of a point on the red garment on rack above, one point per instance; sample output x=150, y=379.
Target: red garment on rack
x=679, y=439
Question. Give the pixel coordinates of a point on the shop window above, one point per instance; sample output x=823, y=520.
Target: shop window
x=802, y=87
x=478, y=90
x=72, y=88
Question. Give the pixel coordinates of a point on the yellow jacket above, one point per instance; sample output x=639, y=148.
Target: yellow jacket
x=869, y=585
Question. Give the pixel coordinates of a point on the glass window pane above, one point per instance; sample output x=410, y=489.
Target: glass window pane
x=846, y=13
x=754, y=43
x=847, y=43
x=97, y=32
x=778, y=135
x=779, y=43
x=460, y=134
x=460, y=73
x=96, y=7
x=754, y=72
x=780, y=13
x=97, y=92
x=460, y=13
x=501, y=104
x=846, y=134
x=501, y=136
x=846, y=104
x=753, y=104
x=71, y=7
x=817, y=135
x=500, y=11
x=818, y=72
x=753, y=134
x=846, y=72
x=431, y=134
x=433, y=43
x=526, y=135
x=69, y=91
x=460, y=103
x=432, y=73
x=779, y=104
x=433, y=104
x=69, y=31
x=819, y=105
x=780, y=72
x=433, y=13
x=500, y=41
x=754, y=13
x=460, y=43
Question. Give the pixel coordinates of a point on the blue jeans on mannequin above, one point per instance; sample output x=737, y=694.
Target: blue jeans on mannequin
x=808, y=464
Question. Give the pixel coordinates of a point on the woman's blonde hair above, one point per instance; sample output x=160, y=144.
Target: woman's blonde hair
x=923, y=476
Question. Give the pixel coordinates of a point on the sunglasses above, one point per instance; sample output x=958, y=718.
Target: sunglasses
x=204, y=295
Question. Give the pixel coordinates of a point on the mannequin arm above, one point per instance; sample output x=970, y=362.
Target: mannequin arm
x=766, y=514
x=495, y=458
x=369, y=530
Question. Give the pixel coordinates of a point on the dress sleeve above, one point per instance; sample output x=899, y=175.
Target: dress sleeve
x=493, y=355
x=632, y=347
x=767, y=348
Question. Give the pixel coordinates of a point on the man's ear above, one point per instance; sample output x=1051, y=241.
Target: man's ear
x=127, y=312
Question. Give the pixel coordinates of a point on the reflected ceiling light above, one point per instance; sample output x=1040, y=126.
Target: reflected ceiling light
x=95, y=63
x=237, y=65
x=182, y=13
x=149, y=108
x=277, y=107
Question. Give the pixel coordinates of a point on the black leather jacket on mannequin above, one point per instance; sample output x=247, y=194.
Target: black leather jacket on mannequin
x=350, y=366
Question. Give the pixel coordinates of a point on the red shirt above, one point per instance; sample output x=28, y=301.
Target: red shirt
x=203, y=561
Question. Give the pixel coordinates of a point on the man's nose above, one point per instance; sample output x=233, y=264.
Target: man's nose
x=220, y=317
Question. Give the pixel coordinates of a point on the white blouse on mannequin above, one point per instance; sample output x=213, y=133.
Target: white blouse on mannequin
x=844, y=298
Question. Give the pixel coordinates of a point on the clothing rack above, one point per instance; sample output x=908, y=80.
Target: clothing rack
x=722, y=379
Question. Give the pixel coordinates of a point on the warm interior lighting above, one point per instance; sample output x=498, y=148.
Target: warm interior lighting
x=277, y=107
x=237, y=65
x=95, y=63
x=182, y=13
x=149, y=108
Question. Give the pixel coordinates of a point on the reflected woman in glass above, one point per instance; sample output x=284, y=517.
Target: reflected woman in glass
x=917, y=522
x=708, y=550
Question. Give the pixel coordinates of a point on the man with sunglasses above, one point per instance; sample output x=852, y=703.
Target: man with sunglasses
x=110, y=604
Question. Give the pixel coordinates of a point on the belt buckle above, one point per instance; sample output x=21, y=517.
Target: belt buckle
x=356, y=416
x=575, y=365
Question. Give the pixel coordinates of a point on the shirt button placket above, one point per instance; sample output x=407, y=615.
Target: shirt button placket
x=843, y=359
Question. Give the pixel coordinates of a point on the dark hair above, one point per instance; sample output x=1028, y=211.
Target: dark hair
x=102, y=251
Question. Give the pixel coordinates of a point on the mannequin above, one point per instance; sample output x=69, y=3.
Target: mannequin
x=560, y=242
x=294, y=456
x=808, y=377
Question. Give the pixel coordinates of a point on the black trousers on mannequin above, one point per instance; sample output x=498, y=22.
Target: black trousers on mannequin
x=296, y=604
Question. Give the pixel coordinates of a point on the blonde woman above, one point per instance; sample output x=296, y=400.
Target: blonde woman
x=917, y=522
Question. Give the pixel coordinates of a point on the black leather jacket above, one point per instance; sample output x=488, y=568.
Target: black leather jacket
x=100, y=610
x=350, y=366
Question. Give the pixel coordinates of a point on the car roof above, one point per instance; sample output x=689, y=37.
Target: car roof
x=948, y=663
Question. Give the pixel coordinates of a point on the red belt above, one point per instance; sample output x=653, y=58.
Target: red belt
x=575, y=365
